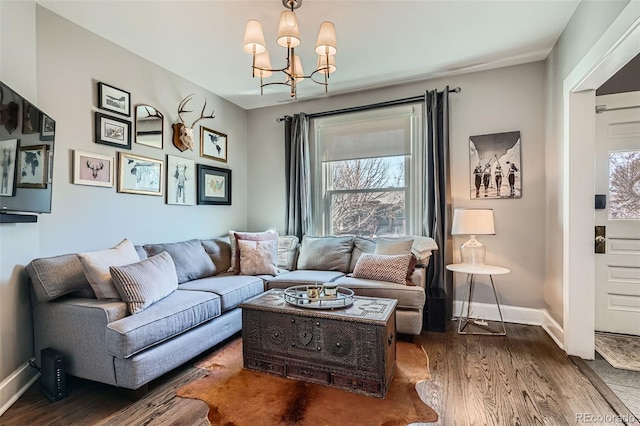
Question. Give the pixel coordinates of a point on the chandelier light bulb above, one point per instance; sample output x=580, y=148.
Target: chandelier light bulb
x=322, y=64
x=262, y=65
x=253, y=38
x=288, y=31
x=326, y=43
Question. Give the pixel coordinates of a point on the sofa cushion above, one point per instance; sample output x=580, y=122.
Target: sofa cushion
x=287, y=250
x=232, y=289
x=392, y=268
x=360, y=245
x=255, y=236
x=189, y=257
x=302, y=278
x=234, y=250
x=176, y=313
x=143, y=283
x=219, y=250
x=407, y=296
x=325, y=253
x=52, y=277
x=392, y=246
x=257, y=257
x=96, y=267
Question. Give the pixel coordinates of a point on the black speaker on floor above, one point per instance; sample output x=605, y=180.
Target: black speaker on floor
x=436, y=310
x=52, y=378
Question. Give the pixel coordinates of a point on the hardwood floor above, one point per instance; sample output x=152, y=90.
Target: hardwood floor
x=520, y=379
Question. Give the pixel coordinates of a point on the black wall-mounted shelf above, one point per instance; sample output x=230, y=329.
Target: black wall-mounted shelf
x=17, y=218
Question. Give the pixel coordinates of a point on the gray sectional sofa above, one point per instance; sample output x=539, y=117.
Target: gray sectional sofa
x=101, y=340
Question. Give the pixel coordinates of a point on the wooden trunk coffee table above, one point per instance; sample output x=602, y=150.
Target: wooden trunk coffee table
x=351, y=348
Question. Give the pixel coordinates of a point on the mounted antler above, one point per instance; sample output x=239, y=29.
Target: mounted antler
x=183, y=134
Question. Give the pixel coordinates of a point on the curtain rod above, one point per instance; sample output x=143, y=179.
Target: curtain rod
x=365, y=107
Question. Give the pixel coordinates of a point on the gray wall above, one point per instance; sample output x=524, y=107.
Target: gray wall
x=68, y=62
x=494, y=101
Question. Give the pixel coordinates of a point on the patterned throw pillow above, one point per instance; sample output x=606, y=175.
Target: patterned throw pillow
x=143, y=283
x=256, y=257
x=380, y=267
x=248, y=235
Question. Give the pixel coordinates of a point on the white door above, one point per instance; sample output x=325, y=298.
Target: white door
x=617, y=166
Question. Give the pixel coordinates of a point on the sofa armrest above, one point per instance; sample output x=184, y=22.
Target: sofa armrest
x=419, y=276
x=76, y=328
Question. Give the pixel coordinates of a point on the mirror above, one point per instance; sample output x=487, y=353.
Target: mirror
x=26, y=156
x=149, y=126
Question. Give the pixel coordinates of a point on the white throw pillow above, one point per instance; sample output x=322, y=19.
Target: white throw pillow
x=96, y=267
x=145, y=282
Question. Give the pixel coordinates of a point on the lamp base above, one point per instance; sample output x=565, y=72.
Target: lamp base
x=473, y=251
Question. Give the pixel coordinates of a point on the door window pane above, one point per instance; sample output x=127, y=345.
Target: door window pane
x=624, y=185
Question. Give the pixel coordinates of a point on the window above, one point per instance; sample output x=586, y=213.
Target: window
x=367, y=172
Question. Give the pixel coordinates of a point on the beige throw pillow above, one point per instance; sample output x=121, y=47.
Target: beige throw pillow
x=391, y=268
x=96, y=267
x=257, y=257
x=234, y=249
x=392, y=246
x=143, y=283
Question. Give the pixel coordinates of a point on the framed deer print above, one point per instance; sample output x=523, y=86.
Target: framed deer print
x=181, y=181
x=139, y=175
x=114, y=99
x=213, y=144
x=214, y=185
x=113, y=131
x=92, y=169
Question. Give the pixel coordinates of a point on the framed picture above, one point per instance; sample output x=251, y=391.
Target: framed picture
x=495, y=166
x=214, y=185
x=213, y=144
x=32, y=166
x=30, y=118
x=47, y=128
x=114, y=99
x=113, y=131
x=139, y=175
x=92, y=169
x=8, y=158
x=181, y=181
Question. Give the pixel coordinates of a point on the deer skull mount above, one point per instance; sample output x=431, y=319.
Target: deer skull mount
x=183, y=134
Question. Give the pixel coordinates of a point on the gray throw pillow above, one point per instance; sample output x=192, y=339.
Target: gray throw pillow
x=143, y=283
x=391, y=246
x=191, y=260
x=360, y=245
x=325, y=253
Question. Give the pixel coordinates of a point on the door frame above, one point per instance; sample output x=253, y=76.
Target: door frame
x=619, y=44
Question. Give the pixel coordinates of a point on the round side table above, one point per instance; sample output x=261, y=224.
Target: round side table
x=472, y=270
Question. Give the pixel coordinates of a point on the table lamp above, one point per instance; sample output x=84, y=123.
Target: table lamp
x=473, y=222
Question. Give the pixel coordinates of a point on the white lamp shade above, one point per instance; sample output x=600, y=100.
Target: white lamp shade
x=326, y=43
x=253, y=38
x=264, y=62
x=295, y=69
x=473, y=222
x=288, y=32
x=322, y=64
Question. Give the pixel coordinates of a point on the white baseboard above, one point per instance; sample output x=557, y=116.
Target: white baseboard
x=16, y=384
x=516, y=315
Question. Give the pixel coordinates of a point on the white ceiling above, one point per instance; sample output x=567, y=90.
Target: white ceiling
x=380, y=43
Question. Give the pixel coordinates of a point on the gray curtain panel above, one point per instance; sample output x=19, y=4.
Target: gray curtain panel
x=437, y=198
x=298, y=175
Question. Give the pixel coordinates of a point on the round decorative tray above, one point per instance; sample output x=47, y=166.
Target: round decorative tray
x=300, y=296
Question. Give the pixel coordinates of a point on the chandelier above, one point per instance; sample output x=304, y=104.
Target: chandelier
x=289, y=37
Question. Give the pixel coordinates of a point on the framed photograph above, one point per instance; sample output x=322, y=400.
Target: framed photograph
x=92, y=169
x=495, y=166
x=113, y=131
x=213, y=144
x=32, y=166
x=30, y=118
x=214, y=185
x=181, y=181
x=47, y=128
x=139, y=175
x=8, y=159
x=114, y=99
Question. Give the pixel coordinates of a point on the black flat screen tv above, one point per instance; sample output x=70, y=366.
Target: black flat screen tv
x=27, y=135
